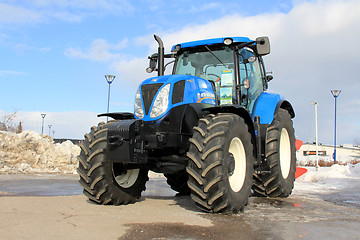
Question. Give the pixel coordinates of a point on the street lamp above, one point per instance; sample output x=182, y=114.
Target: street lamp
x=335, y=93
x=109, y=79
x=316, y=135
x=49, y=129
x=42, y=127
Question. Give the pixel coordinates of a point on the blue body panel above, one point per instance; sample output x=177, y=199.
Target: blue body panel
x=265, y=107
x=197, y=90
x=211, y=41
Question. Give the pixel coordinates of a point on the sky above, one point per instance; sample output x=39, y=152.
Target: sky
x=55, y=53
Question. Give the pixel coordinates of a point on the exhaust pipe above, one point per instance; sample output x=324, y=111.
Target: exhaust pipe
x=160, y=55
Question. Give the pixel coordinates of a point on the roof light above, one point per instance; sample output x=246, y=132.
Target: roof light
x=228, y=41
x=177, y=48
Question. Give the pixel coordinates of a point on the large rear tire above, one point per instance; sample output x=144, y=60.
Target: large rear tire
x=105, y=182
x=221, y=163
x=281, y=156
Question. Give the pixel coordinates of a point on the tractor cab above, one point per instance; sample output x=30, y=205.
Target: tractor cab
x=233, y=66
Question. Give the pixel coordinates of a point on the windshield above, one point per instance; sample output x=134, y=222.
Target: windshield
x=205, y=64
x=217, y=66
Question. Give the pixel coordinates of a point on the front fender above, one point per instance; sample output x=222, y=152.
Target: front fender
x=268, y=104
x=236, y=109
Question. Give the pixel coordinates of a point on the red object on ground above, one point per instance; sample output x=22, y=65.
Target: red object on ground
x=298, y=144
x=300, y=171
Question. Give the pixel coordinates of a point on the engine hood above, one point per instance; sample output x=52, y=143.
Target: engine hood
x=184, y=89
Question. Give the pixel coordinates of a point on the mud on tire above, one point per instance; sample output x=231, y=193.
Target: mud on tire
x=280, y=154
x=221, y=160
x=103, y=181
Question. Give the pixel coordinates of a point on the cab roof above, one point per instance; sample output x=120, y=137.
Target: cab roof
x=211, y=42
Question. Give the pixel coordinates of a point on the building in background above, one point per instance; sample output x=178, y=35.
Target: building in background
x=346, y=153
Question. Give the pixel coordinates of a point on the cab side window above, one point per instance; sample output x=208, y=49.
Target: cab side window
x=250, y=69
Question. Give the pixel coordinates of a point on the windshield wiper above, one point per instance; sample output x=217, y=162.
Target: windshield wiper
x=212, y=53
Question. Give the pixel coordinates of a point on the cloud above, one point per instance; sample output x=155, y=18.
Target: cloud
x=100, y=50
x=22, y=47
x=324, y=17
x=34, y=11
x=17, y=14
x=113, y=5
x=131, y=72
x=10, y=72
x=205, y=7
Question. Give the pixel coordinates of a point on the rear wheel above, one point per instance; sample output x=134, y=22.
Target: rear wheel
x=281, y=156
x=221, y=163
x=105, y=182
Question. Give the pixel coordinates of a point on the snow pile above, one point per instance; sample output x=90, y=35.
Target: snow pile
x=333, y=173
x=325, y=161
x=332, y=183
x=29, y=152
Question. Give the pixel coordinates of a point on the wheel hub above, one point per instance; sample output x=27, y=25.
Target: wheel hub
x=231, y=164
x=126, y=178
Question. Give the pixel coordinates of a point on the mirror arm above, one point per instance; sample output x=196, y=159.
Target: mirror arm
x=244, y=45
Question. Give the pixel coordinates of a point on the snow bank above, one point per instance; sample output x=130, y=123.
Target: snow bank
x=333, y=173
x=330, y=181
x=29, y=152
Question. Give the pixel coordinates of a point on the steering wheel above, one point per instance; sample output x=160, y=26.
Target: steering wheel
x=217, y=76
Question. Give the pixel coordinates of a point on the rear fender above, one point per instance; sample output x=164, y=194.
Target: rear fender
x=268, y=104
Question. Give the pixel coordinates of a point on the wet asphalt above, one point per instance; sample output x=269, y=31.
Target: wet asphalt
x=295, y=217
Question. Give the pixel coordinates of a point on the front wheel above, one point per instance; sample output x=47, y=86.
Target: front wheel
x=221, y=163
x=105, y=182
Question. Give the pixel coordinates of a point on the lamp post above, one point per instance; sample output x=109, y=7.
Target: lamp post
x=316, y=135
x=109, y=79
x=42, y=127
x=336, y=94
x=49, y=129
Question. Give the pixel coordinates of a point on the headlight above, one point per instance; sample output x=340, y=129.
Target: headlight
x=139, y=111
x=161, y=102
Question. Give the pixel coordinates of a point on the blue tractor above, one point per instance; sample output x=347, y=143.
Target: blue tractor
x=210, y=127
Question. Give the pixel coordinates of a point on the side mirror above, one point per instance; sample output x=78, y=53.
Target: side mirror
x=152, y=64
x=262, y=45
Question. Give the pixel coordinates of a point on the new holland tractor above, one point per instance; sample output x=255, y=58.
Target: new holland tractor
x=210, y=127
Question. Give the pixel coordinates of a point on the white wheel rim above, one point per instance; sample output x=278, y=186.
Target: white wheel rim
x=285, y=153
x=237, y=179
x=127, y=179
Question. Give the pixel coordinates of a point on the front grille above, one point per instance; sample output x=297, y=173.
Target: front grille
x=148, y=93
x=178, y=92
